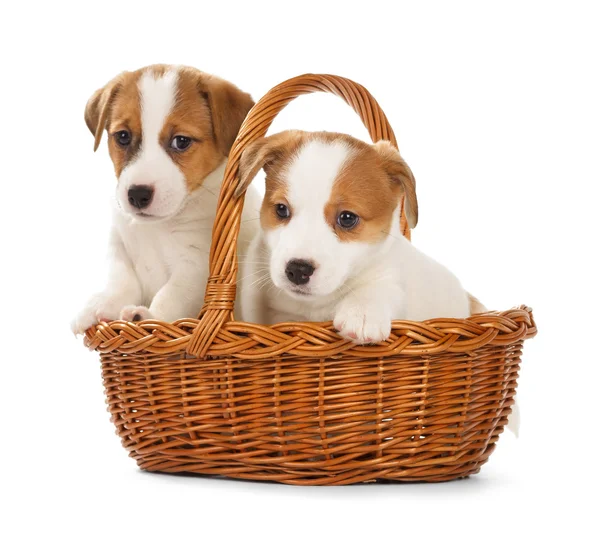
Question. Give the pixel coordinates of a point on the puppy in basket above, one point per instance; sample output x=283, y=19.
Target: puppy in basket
x=330, y=245
x=170, y=130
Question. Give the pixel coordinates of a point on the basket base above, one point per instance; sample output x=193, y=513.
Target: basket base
x=346, y=480
x=315, y=477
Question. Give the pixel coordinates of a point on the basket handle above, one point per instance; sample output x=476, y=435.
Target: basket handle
x=221, y=287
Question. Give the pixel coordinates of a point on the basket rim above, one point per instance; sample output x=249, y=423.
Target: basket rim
x=152, y=338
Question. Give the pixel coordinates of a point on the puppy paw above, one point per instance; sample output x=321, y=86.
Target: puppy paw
x=135, y=313
x=85, y=319
x=363, y=323
x=99, y=308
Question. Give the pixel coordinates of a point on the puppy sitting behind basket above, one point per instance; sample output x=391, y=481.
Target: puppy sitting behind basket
x=170, y=129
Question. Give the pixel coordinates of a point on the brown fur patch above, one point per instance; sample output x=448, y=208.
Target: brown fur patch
x=276, y=193
x=228, y=105
x=275, y=184
x=125, y=114
x=364, y=188
x=191, y=117
x=273, y=153
x=398, y=170
x=207, y=109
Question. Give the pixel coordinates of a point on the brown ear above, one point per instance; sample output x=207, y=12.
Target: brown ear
x=98, y=106
x=399, y=171
x=229, y=106
x=260, y=154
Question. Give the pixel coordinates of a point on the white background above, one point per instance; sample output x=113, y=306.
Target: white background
x=497, y=109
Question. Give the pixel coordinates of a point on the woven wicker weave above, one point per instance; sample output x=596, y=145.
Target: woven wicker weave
x=294, y=402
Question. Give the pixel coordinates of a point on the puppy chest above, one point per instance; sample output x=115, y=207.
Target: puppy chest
x=154, y=256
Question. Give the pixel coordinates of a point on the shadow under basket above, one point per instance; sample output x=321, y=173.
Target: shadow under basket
x=294, y=402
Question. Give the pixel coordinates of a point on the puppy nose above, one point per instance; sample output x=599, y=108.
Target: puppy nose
x=299, y=271
x=140, y=196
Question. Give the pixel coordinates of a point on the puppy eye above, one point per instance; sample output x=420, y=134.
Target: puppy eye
x=282, y=210
x=123, y=138
x=347, y=220
x=180, y=143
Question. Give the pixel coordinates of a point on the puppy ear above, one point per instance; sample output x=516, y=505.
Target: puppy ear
x=98, y=106
x=401, y=174
x=229, y=106
x=260, y=153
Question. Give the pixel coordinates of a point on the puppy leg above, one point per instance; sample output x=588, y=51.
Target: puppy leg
x=122, y=288
x=366, y=314
x=181, y=297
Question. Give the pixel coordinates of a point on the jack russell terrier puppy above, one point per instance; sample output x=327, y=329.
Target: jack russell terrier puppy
x=170, y=130
x=330, y=245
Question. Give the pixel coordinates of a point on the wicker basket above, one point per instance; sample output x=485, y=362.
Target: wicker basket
x=294, y=402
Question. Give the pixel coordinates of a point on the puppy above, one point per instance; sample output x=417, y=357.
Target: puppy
x=170, y=130
x=330, y=246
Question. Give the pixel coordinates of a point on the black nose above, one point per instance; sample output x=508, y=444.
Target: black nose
x=299, y=271
x=140, y=196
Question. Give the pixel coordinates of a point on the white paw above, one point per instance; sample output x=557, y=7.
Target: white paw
x=85, y=318
x=99, y=308
x=363, y=323
x=135, y=313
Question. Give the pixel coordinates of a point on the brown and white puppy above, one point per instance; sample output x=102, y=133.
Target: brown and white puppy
x=170, y=130
x=330, y=245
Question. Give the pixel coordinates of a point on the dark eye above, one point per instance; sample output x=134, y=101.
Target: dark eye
x=282, y=210
x=180, y=143
x=347, y=220
x=123, y=138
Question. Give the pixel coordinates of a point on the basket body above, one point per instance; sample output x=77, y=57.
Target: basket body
x=295, y=402
x=348, y=417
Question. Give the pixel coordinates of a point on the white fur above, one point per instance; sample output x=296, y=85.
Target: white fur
x=361, y=286
x=152, y=166
x=308, y=236
x=158, y=266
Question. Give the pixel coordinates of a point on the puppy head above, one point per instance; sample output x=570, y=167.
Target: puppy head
x=329, y=205
x=168, y=128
